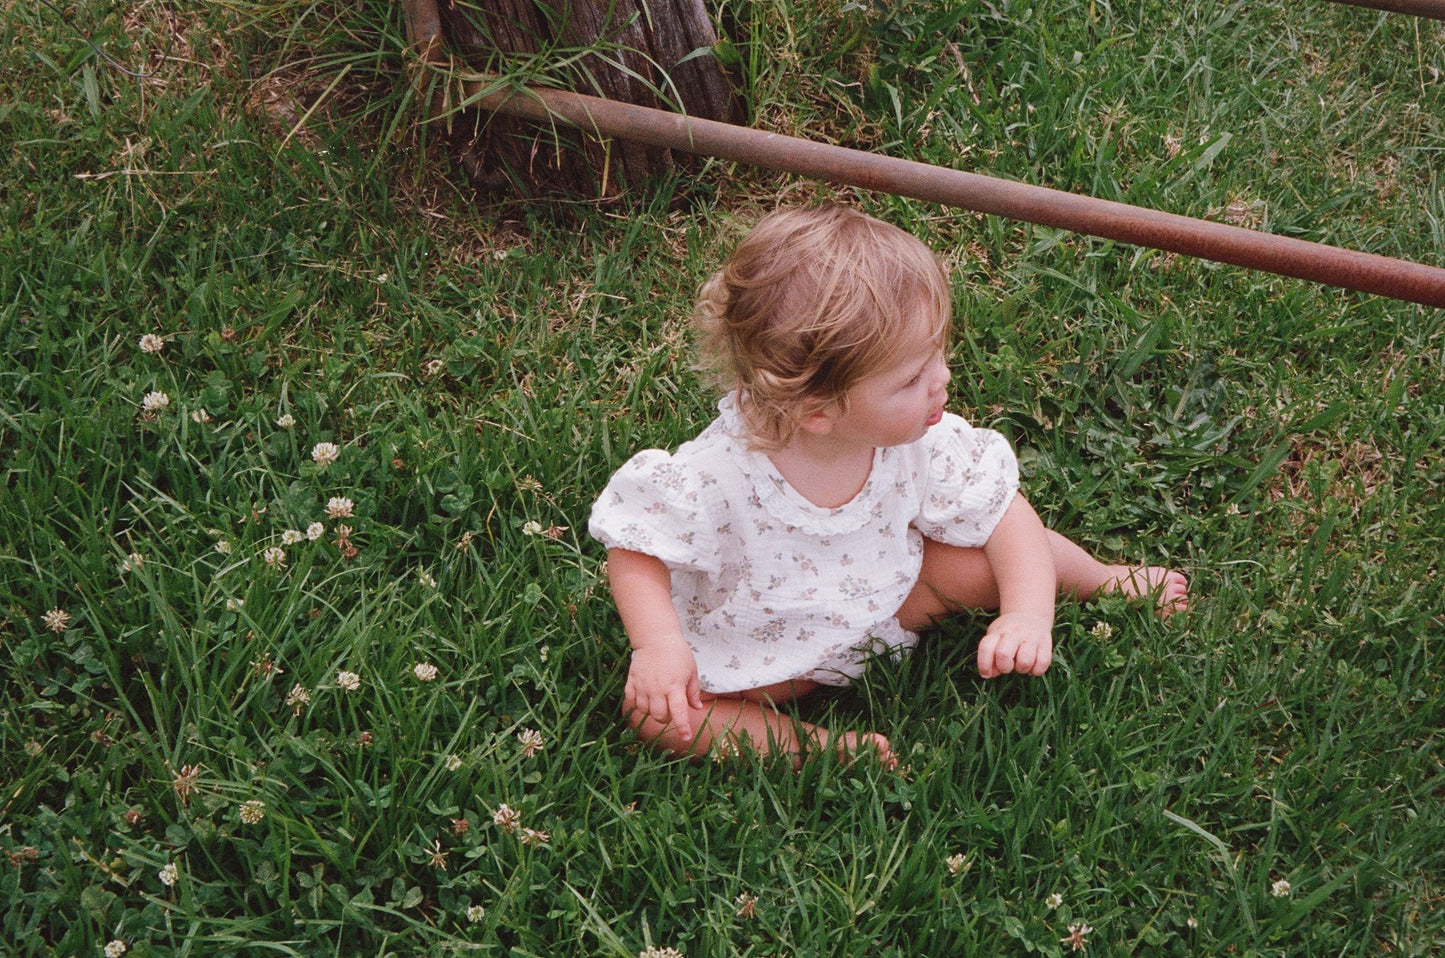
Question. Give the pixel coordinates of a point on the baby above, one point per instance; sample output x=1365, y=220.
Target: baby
x=834, y=508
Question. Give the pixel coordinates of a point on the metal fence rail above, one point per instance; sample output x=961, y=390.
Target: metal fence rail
x=1317, y=262
x=1420, y=8
x=1236, y=245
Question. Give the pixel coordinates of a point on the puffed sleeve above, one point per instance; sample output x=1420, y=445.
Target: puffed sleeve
x=970, y=477
x=655, y=505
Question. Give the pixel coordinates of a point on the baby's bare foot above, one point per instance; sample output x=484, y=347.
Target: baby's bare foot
x=1168, y=587
x=850, y=745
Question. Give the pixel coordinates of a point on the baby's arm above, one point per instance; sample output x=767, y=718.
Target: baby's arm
x=662, y=681
x=1021, y=638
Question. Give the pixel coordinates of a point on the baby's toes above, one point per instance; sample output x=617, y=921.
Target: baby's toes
x=1173, y=593
x=853, y=744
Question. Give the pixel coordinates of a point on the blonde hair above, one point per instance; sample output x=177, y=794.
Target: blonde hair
x=811, y=302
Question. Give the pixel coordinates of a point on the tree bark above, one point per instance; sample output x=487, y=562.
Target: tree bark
x=639, y=51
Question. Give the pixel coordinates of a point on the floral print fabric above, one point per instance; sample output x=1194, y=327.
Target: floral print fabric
x=770, y=587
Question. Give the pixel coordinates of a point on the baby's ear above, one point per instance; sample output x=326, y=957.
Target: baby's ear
x=818, y=417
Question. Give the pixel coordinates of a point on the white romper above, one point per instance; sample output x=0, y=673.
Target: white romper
x=770, y=587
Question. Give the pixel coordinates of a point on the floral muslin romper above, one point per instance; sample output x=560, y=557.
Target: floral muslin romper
x=770, y=587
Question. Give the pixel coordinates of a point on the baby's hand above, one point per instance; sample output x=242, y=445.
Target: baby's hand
x=1016, y=642
x=662, y=684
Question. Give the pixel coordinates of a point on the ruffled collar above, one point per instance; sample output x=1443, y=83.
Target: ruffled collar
x=786, y=504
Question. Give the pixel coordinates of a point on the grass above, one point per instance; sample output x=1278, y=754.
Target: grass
x=482, y=369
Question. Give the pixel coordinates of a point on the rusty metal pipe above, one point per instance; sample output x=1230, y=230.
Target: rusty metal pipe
x=1301, y=259
x=1420, y=8
x=1317, y=262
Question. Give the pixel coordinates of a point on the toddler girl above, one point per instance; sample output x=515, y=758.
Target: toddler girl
x=834, y=508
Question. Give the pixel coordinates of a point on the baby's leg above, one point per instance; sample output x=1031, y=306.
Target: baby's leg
x=955, y=578
x=1081, y=576
x=727, y=723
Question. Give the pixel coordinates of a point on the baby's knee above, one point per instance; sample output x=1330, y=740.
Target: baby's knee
x=951, y=578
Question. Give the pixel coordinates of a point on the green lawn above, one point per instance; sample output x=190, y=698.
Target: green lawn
x=183, y=768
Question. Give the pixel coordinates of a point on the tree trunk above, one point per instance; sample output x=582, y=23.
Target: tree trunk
x=635, y=51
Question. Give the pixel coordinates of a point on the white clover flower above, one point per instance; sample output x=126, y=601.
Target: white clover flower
x=1077, y=939
x=325, y=453
x=476, y=913
x=155, y=401
x=274, y=556
x=292, y=536
x=253, y=811
x=200, y=416
x=1054, y=901
x=234, y=605
x=1280, y=889
x=532, y=528
x=114, y=948
x=424, y=671
x=382, y=277
x=56, y=620
x=532, y=742
x=132, y=562
x=348, y=681
x=339, y=507
x=660, y=953
x=425, y=578
x=506, y=818
x=151, y=343
x=957, y=864
x=185, y=781
x=286, y=421
x=223, y=546
x=315, y=531
x=747, y=905
x=169, y=875
x=1102, y=631
x=452, y=763
x=298, y=698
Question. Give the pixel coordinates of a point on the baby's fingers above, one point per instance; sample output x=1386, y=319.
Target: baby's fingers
x=634, y=703
x=1043, y=659
x=1026, y=659
x=996, y=655
x=985, y=656
x=680, y=714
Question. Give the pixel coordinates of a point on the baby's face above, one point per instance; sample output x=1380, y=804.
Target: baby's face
x=898, y=404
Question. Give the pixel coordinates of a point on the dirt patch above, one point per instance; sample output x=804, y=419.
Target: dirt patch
x=1347, y=471
x=279, y=99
